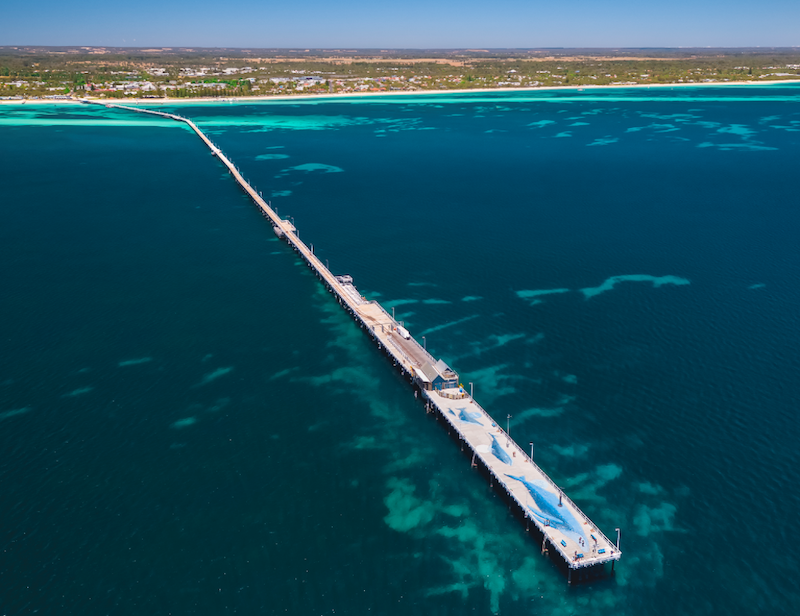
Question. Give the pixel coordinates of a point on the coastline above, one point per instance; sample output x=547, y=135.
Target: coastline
x=300, y=97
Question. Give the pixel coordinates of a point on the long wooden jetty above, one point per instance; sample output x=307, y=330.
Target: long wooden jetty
x=565, y=532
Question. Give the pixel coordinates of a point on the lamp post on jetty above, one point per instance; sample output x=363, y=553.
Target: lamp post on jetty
x=470, y=392
x=531, y=451
x=508, y=425
x=424, y=343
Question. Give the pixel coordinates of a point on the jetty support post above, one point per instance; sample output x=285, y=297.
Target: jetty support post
x=614, y=562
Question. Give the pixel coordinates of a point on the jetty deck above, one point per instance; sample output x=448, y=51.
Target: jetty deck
x=563, y=527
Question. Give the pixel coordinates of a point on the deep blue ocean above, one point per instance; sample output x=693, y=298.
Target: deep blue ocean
x=189, y=423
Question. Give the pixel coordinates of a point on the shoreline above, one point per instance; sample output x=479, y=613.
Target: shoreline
x=303, y=97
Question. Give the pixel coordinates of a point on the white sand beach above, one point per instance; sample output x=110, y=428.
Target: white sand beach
x=284, y=97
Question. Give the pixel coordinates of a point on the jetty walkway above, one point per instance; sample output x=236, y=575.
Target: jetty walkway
x=565, y=531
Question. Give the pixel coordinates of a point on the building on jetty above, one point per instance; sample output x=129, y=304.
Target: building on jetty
x=566, y=534
x=436, y=377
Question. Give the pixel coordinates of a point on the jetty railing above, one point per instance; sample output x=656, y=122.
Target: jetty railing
x=393, y=346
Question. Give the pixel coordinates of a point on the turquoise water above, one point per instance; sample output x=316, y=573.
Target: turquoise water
x=191, y=425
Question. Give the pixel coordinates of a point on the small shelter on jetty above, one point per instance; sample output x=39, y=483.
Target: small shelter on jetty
x=436, y=377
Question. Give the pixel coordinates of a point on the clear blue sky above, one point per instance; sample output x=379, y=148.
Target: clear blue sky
x=409, y=24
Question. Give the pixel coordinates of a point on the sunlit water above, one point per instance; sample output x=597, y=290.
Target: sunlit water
x=190, y=424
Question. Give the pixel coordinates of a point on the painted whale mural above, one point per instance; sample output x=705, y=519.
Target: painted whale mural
x=472, y=417
x=547, y=510
x=499, y=452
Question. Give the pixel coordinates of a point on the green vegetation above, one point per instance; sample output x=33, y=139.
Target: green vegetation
x=185, y=73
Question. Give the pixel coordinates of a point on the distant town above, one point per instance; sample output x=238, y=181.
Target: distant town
x=120, y=73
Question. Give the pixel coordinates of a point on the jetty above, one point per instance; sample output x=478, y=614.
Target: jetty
x=565, y=533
